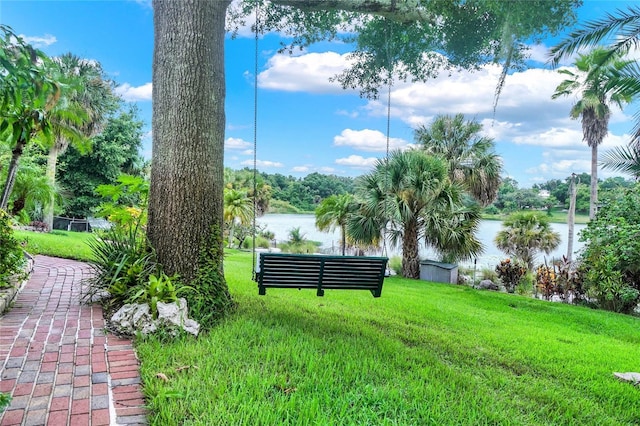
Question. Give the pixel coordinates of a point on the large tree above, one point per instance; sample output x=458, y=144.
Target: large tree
x=411, y=199
x=594, y=80
x=92, y=96
x=185, y=207
x=114, y=151
x=28, y=95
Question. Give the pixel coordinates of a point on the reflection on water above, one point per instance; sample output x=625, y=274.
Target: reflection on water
x=281, y=224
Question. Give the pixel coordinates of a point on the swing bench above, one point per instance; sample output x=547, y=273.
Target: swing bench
x=320, y=272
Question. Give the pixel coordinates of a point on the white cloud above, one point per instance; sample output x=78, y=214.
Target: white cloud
x=357, y=161
x=350, y=114
x=236, y=143
x=263, y=163
x=305, y=73
x=367, y=140
x=300, y=169
x=132, y=94
x=39, y=41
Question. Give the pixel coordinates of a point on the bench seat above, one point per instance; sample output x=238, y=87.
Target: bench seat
x=320, y=272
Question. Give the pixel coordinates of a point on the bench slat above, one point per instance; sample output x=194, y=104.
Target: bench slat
x=279, y=270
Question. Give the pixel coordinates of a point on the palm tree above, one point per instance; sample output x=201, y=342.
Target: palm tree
x=525, y=234
x=471, y=157
x=622, y=31
x=333, y=212
x=237, y=207
x=28, y=93
x=412, y=196
x=595, y=81
x=90, y=95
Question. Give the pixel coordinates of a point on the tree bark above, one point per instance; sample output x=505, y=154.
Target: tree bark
x=188, y=121
x=410, y=255
x=571, y=217
x=11, y=172
x=593, y=201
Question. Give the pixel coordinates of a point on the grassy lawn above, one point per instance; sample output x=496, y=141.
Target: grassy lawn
x=422, y=354
x=70, y=245
x=557, y=216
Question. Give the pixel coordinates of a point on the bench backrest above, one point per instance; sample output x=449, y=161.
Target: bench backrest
x=280, y=270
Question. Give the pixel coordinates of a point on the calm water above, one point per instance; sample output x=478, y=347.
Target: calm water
x=281, y=224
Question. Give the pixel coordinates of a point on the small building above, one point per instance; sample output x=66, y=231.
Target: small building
x=438, y=272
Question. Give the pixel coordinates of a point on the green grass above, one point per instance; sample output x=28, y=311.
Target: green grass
x=422, y=354
x=556, y=216
x=69, y=245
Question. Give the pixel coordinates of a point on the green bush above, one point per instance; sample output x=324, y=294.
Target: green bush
x=260, y=242
x=610, y=260
x=395, y=264
x=11, y=255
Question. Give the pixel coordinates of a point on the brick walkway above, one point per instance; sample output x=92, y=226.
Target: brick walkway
x=58, y=363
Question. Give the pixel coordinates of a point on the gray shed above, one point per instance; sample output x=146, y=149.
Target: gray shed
x=438, y=272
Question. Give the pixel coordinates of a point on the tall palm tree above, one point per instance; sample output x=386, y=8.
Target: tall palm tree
x=333, y=212
x=620, y=32
x=594, y=80
x=471, y=157
x=237, y=208
x=91, y=96
x=525, y=234
x=412, y=195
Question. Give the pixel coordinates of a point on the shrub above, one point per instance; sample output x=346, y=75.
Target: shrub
x=11, y=255
x=122, y=260
x=611, y=256
x=525, y=286
x=395, y=264
x=510, y=273
x=546, y=281
x=489, y=274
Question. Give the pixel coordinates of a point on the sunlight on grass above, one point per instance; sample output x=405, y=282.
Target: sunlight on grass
x=423, y=353
x=69, y=245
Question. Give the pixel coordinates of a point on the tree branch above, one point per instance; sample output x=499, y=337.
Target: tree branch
x=397, y=10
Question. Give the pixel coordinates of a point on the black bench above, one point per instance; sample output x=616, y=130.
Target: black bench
x=280, y=270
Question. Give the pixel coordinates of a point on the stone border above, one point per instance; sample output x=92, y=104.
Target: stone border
x=8, y=294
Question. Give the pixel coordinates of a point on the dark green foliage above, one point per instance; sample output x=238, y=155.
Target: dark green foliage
x=210, y=299
x=611, y=257
x=115, y=151
x=5, y=400
x=11, y=256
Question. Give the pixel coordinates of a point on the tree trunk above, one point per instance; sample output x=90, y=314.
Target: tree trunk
x=410, y=255
x=52, y=161
x=11, y=172
x=571, y=217
x=343, y=237
x=186, y=194
x=593, y=200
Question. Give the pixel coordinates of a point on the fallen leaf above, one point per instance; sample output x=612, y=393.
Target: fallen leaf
x=162, y=376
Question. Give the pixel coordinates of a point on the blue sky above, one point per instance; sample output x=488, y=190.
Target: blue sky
x=308, y=124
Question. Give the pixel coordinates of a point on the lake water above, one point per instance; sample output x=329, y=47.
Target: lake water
x=281, y=224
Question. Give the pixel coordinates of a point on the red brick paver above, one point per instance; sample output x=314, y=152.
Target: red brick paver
x=58, y=363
